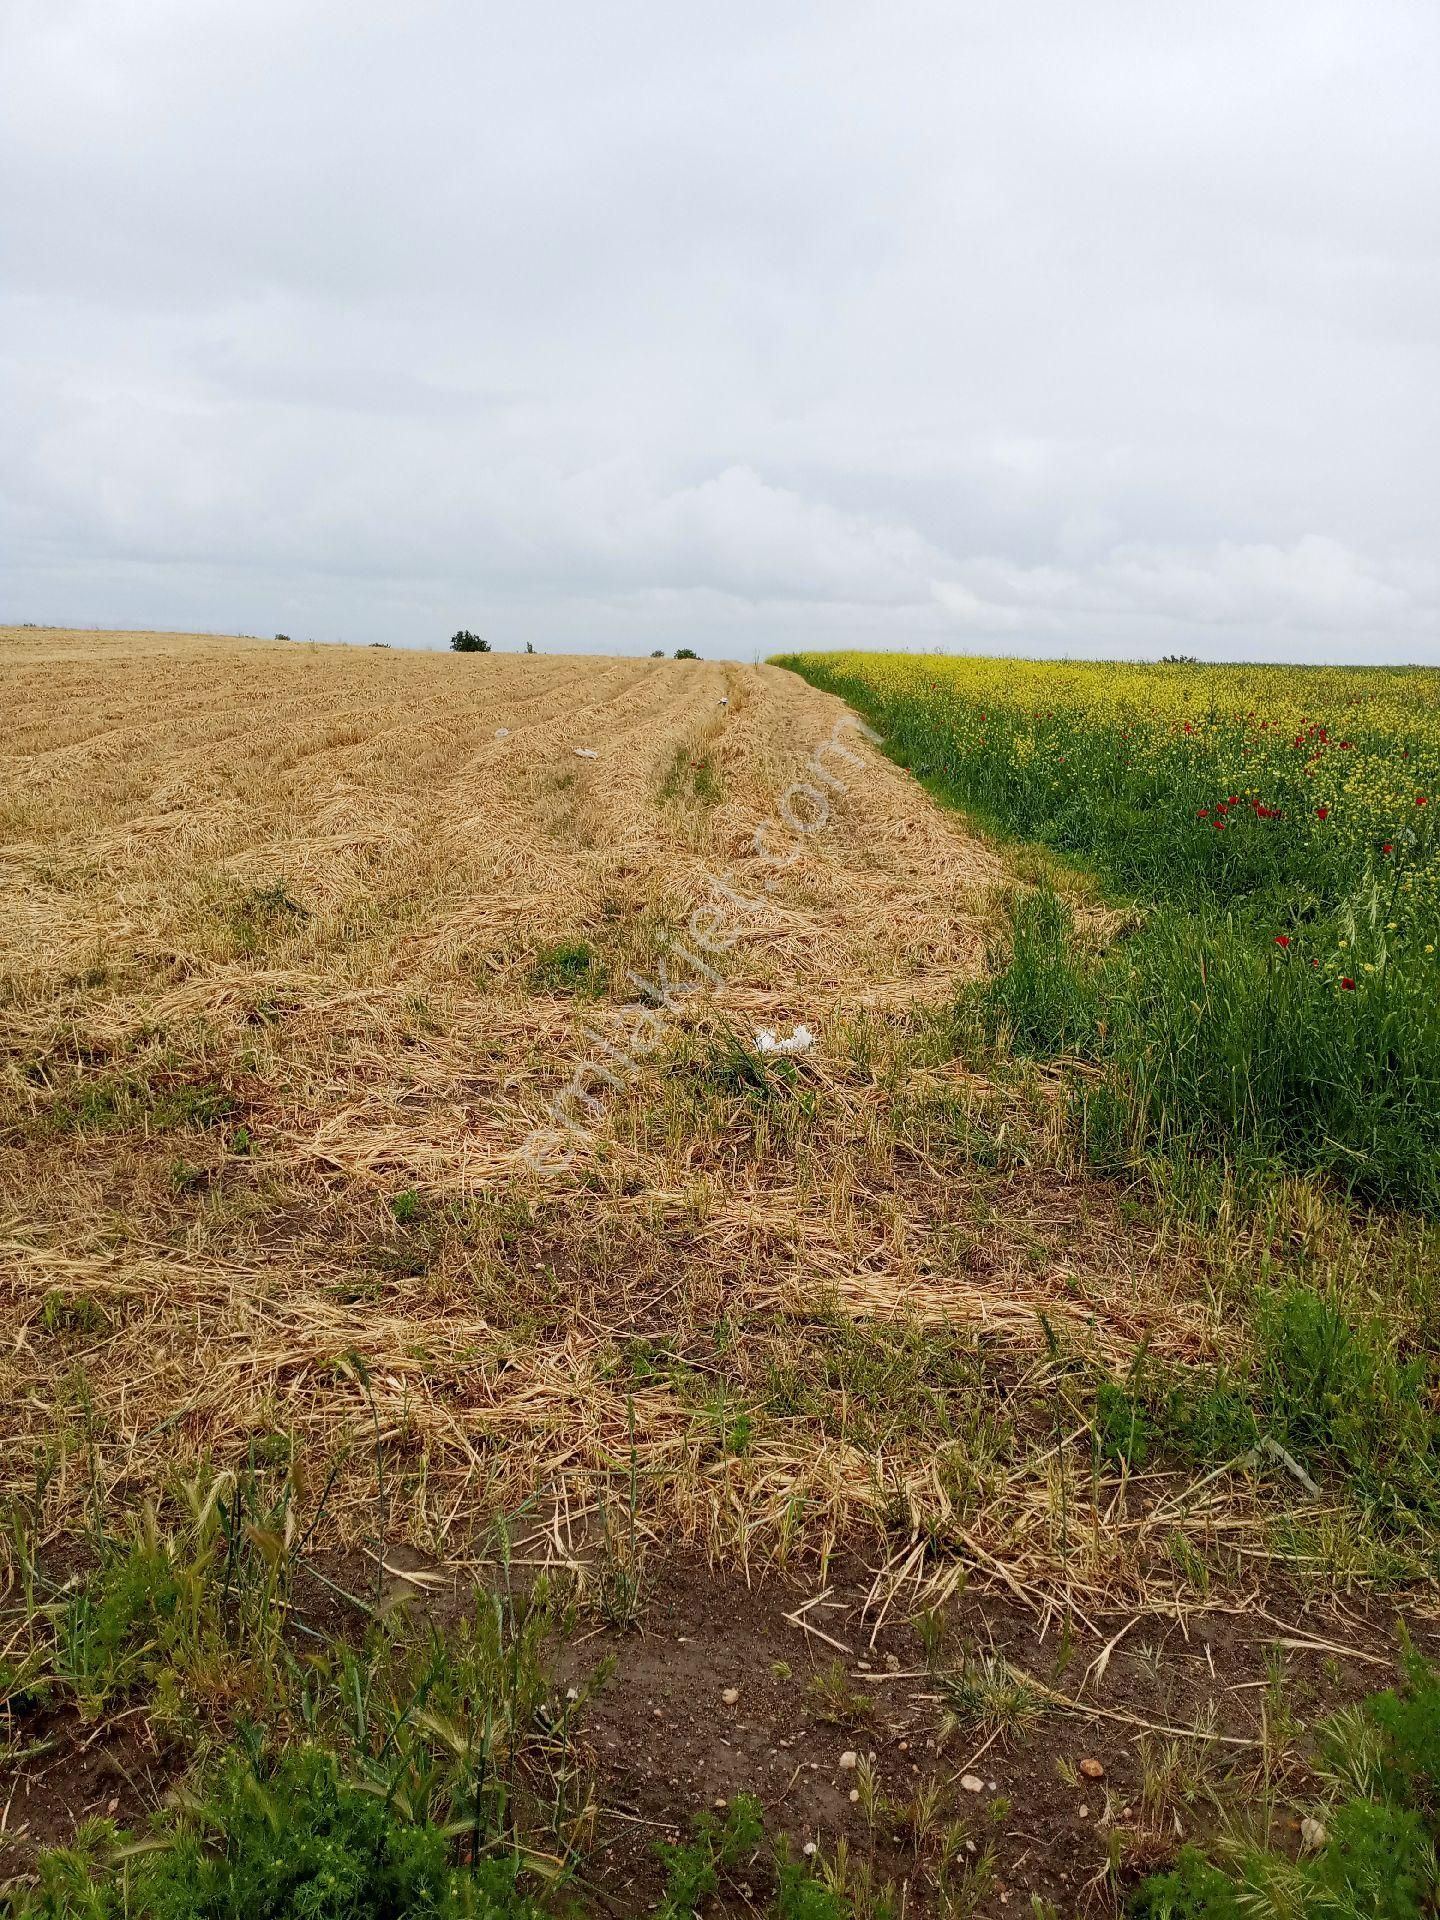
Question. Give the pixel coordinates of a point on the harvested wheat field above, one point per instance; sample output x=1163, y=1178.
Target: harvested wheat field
x=393, y=1175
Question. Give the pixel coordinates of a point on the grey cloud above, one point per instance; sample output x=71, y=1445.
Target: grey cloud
x=1102, y=329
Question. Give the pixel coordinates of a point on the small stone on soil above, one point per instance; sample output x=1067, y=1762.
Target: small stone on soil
x=849, y=1759
x=971, y=1782
x=1092, y=1769
x=730, y=1696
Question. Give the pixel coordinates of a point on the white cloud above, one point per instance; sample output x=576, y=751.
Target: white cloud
x=1314, y=592
x=1086, y=329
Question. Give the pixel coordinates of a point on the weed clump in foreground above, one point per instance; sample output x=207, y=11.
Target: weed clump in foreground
x=287, y=1839
x=691, y=775
x=1377, y=1859
x=415, y=1772
x=256, y=918
x=719, y=1850
x=1329, y=1392
x=567, y=966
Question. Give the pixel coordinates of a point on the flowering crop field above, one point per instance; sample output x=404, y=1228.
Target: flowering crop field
x=1280, y=1003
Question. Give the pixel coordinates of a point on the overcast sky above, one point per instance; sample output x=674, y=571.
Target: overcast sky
x=1022, y=326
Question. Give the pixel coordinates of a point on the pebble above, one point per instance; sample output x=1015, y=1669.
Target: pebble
x=972, y=1783
x=848, y=1760
x=1312, y=1832
x=809, y=1849
x=1092, y=1769
x=854, y=1795
x=730, y=1696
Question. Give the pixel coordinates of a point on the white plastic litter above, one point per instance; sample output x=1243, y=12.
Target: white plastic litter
x=800, y=1041
x=724, y=699
x=586, y=753
x=502, y=733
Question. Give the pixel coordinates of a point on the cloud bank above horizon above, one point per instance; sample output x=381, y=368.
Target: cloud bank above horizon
x=1022, y=329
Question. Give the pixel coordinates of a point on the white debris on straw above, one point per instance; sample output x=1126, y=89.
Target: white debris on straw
x=502, y=733
x=586, y=753
x=799, y=1042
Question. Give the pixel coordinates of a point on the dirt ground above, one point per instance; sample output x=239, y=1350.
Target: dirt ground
x=729, y=1688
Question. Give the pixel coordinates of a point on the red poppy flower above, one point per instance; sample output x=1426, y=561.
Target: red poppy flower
x=1347, y=983
x=1233, y=801
x=1322, y=813
x=1282, y=939
x=1202, y=813
x=1219, y=826
x=1422, y=800
x=1387, y=848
